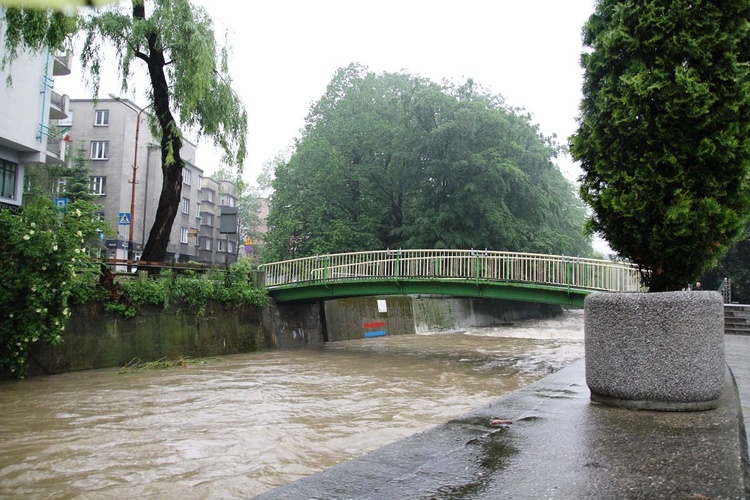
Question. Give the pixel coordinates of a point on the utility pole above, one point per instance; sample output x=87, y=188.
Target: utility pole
x=138, y=111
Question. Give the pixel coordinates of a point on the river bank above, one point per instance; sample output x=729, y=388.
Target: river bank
x=95, y=339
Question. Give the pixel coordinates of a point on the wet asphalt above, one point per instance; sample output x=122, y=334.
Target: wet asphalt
x=737, y=352
x=549, y=441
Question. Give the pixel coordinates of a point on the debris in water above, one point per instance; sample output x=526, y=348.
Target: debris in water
x=497, y=422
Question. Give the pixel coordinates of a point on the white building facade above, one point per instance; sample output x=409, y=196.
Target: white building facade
x=29, y=109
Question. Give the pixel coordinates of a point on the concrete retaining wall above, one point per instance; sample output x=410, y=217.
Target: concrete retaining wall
x=356, y=318
x=445, y=314
x=359, y=317
x=293, y=325
x=94, y=339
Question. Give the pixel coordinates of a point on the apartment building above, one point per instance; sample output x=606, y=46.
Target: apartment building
x=125, y=164
x=30, y=106
x=217, y=240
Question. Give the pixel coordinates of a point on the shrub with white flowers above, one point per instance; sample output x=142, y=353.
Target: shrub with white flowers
x=42, y=248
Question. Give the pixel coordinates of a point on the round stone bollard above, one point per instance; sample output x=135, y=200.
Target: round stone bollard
x=655, y=351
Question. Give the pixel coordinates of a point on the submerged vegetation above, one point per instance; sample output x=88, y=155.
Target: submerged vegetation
x=137, y=364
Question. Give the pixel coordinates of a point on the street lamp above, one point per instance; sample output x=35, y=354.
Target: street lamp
x=138, y=111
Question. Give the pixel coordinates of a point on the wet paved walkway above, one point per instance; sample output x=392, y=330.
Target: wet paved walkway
x=560, y=445
x=737, y=349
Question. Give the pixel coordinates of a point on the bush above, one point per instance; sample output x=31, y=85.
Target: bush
x=44, y=258
x=46, y=268
x=189, y=289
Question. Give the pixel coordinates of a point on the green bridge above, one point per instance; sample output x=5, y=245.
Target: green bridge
x=551, y=279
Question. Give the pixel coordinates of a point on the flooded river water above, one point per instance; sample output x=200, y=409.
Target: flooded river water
x=248, y=423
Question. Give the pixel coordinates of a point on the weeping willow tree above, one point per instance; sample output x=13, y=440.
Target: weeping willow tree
x=173, y=43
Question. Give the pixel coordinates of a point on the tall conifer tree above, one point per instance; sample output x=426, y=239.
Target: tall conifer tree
x=664, y=132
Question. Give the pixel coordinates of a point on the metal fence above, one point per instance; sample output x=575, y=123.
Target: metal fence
x=591, y=274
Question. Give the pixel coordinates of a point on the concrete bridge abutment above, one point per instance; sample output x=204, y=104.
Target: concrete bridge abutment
x=290, y=324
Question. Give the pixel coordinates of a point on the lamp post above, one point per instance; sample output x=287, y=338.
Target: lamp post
x=138, y=111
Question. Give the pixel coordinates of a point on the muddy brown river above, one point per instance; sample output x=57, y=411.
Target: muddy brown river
x=248, y=423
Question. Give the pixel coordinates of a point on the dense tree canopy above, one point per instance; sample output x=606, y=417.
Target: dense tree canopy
x=664, y=134
x=396, y=161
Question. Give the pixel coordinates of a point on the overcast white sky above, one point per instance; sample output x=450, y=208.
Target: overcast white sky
x=286, y=51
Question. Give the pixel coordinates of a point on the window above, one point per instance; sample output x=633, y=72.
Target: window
x=183, y=235
x=208, y=196
x=207, y=219
x=61, y=186
x=186, y=176
x=198, y=211
x=99, y=150
x=228, y=200
x=101, y=118
x=220, y=244
x=8, y=172
x=97, y=185
x=231, y=247
x=207, y=244
x=185, y=206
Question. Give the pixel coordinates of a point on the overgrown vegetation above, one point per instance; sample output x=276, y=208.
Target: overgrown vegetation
x=47, y=268
x=187, y=289
x=137, y=364
x=44, y=256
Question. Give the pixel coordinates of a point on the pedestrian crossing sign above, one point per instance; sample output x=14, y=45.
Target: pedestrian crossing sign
x=124, y=218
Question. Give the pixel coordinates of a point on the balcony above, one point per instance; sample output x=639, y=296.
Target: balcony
x=61, y=66
x=56, y=150
x=59, y=106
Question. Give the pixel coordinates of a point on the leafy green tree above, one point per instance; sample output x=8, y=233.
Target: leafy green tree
x=189, y=82
x=188, y=74
x=43, y=251
x=664, y=132
x=394, y=160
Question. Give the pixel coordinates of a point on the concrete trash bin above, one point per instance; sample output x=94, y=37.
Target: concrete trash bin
x=655, y=351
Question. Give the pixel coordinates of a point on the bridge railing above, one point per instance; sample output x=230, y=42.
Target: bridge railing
x=558, y=270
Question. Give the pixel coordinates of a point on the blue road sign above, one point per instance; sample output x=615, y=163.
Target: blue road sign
x=124, y=219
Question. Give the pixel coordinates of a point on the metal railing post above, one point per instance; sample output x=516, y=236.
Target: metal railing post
x=582, y=273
